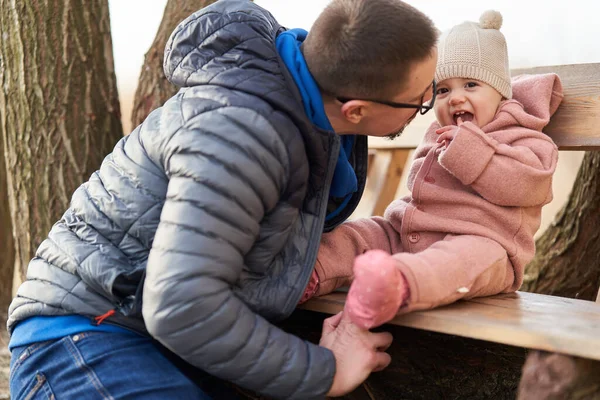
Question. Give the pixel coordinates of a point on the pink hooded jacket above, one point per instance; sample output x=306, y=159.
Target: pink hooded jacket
x=490, y=182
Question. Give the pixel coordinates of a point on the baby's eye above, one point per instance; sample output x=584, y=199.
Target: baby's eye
x=441, y=91
x=471, y=84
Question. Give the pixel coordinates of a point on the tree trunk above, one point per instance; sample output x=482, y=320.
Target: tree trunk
x=153, y=88
x=7, y=259
x=60, y=110
x=550, y=376
x=567, y=264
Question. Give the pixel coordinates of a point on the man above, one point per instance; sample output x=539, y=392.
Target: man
x=203, y=224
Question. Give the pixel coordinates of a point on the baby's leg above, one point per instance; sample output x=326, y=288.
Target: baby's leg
x=460, y=266
x=311, y=288
x=339, y=248
x=323, y=281
x=378, y=290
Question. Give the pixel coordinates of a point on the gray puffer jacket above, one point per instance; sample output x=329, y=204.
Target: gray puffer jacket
x=204, y=223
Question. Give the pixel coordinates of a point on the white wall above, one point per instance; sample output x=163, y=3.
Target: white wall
x=538, y=32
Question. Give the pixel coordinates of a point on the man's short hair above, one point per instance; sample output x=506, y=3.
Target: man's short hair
x=366, y=48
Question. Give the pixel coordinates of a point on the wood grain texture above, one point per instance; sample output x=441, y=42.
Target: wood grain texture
x=384, y=174
x=60, y=113
x=392, y=178
x=576, y=124
x=520, y=319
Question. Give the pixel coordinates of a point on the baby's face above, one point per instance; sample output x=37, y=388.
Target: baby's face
x=467, y=100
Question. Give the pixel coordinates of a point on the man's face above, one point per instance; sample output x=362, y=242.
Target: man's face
x=467, y=100
x=385, y=121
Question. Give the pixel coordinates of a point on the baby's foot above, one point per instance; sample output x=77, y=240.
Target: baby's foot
x=378, y=290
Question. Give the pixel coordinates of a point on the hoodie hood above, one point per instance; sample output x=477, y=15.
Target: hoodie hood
x=228, y=43
x=535, y=99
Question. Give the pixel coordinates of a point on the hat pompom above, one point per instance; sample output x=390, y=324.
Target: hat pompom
x=490, y=20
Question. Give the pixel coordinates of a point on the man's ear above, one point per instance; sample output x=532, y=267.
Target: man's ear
x=355, y=110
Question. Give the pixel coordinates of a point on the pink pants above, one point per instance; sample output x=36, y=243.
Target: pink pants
x=457, y=266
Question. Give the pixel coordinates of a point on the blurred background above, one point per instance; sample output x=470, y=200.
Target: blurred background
x=538, y=33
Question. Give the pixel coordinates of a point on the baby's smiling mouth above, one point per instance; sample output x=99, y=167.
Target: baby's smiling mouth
x=463, y=115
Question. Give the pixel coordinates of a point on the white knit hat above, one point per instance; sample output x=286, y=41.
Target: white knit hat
x=476, y=51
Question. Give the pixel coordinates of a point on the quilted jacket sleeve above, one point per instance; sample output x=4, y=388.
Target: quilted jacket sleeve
x=220, y=187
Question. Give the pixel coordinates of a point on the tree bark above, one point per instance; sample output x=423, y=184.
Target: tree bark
x=550, y=376
x=7, y=259
x=567, y=262
x=60, y=110
x=153, y=87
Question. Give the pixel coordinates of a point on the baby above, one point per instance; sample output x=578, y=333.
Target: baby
x=478, y=182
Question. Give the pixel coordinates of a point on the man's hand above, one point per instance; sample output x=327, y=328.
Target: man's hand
x=357, y=351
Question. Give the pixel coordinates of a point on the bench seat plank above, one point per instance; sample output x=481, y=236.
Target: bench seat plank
x=519, y=319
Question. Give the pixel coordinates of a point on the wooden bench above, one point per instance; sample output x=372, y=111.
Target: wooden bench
x=525, y=320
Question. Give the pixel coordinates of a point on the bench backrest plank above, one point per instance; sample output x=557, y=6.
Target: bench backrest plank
x=575, y=126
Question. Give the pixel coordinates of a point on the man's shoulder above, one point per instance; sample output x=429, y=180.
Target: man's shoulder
x=212, y=100
x=221, y=43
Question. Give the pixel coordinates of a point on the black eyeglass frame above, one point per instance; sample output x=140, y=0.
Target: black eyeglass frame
x=423, y=109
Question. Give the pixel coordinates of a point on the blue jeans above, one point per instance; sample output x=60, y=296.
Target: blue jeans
x=101, y=365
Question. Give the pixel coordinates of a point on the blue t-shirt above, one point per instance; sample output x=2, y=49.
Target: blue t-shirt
x=43, y=328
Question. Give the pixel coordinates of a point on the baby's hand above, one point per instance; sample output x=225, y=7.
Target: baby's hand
x=446, y=134
x=378, y=290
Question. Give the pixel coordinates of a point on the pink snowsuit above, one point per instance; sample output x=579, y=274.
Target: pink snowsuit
x=467, y=228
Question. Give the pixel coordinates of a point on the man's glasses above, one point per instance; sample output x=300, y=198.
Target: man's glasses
x=423, y=108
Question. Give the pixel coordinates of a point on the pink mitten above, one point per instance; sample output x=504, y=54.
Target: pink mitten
x=378, y=290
